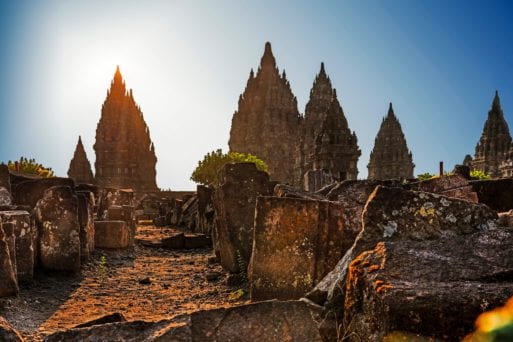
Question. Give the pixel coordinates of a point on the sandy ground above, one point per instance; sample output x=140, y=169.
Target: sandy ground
x=177, y=285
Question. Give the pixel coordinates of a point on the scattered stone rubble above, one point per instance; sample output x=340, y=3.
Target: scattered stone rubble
x=371, y=258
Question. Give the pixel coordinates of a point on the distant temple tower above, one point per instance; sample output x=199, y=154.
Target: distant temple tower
x=335, y=149
x=267, y=121
x=79, y=167
x=390, y=158
x=321, y=96
x=493, y=147
x=125, y=155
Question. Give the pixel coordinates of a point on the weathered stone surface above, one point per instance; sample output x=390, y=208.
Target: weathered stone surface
x=314, y=180
x=197, y=241
x=125, y=154
x=5, y=177
x=114, y=197
x=10, y=239
x=454, y=186
x=5, y=197
x=176, y=241
x=495, y=193
x=506, y=219
x=390, y=158
x=284, y=190
x=189, y=217
x=434, y=288
x=59, y=229
x=206, y=210
x=111, y=234
x=8, y=282
x=110, y=318
x=353, y=195
x=267, y=121
x=265, y=321
x=235, y=201
x=29, y=192
x=8, y=333
x=86, y=225
x=395, y=214
x=25, y=234
x=296, y=243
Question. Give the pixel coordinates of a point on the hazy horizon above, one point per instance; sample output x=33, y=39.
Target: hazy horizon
x=187, y=62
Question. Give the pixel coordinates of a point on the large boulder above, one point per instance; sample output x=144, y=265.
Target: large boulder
x=111, y=234
x=433, y=288
x=25, y=235
x=296, y=243
x=59, y=229
x=264, y=321
x=353, y=195
x=31, y=191
x=395, y=214
x=8, y=282
x=235, y=201
x=8, y=333
x=495, y=193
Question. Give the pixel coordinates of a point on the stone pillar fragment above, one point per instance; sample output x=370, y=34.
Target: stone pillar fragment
x=59, y=226
x=25, y=235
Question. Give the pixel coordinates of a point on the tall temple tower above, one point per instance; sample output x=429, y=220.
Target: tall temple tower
x=79, y=167
x=335, y=148
x=321, y=96
x=495, y=142
x=125, y=155
x=390, y=158
x=267, y=121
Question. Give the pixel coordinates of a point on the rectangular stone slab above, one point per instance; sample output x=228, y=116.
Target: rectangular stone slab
x=25, y=242
x=111, y=234
x=296, y=243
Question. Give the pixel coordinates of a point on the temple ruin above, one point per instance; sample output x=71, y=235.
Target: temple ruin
x=390, y=158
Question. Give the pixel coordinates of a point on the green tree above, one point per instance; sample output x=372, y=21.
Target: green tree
x=479, y=175
x=208, y=168
x=425, y=176
x=30, y=166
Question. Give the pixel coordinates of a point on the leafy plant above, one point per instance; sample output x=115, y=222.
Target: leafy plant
x=237, y=294
x=207, y=170
x=425, y=176
x=30, y=166
x=479, y=175
x=243, y=266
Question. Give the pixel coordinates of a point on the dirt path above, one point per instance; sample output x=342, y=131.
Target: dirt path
x=177, y=285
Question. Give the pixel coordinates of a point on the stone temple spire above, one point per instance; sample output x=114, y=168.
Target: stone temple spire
x=125, y=157
x=390, y=158
x=79, y=167
x=267, y=121
x=321, y=96
x=335, y=148
x=495, y=142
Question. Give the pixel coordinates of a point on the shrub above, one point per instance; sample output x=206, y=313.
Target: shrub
x=30, y=166
x=425, y=176
x=208, y=168
x=479, y=175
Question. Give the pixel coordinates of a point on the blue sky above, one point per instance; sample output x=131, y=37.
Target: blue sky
x=439, y=62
